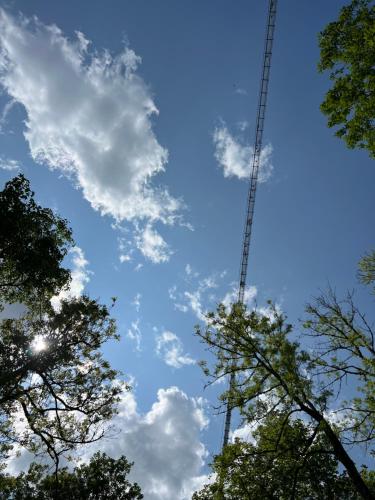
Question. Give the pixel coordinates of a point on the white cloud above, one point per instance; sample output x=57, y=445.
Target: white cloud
x=245, y=433
x=270, y=312
x=188, y=269
x=19, y=459
x=80, y=277
x=340, y=418
x=4, y=115
x=190, y=273
x=196, y=299
x=172, y=292
x=124, y=258
x=88, y=114
x=137, y=302
x=181, y=307
x=195, y=303
x=240, y=91
x=9, y=164
x=125, y=243
x=235, y=157
x=152, y=246
x=243, y=125
x=170, y=348
x=163, y=443
x=232, y=296
x=134, y=334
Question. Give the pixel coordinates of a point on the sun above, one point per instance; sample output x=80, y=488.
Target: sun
x=39, y=344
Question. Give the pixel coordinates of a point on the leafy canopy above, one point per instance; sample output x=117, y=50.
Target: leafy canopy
x=33, y=243
x=347, y=50
x=273, y=373
x=103, y=478
x=53, y=377
x=283, y=460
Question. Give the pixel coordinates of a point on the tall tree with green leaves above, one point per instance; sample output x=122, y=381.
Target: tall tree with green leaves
x=53, y=377
x=33, y=243
x=103, y=478
x=347, y=51
x=285, y=459
x=273, y=373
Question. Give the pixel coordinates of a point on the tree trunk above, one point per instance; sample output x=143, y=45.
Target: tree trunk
x=347, y=462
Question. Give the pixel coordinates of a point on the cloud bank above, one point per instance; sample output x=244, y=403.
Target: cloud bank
x=88, y=115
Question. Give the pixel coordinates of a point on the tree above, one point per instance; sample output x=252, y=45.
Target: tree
x=103, y=478
x=276, y=466
x=33, y=243
x=273, y=374
x=58, y=381
x=367, y=269
x=53, y=377
x=347, y=50
x=346, y=352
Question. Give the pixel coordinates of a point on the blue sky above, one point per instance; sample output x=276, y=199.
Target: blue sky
x=131, y=146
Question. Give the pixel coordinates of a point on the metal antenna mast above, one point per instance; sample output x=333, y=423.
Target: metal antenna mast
x=262, y=103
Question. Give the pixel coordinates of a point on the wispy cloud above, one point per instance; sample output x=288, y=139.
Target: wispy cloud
x=152, y=245
x=134, y=333
x=137, y=302
x=240, y=91
x=9, y=164
x=234, y=155
x=199, y=294
x=170, y=348
x=99, y=132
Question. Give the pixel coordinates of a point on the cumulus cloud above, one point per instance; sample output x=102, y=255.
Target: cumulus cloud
x=88, y=115
x=80, y=277
x=164, y=444
x=170, y=348
x=235, y=156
